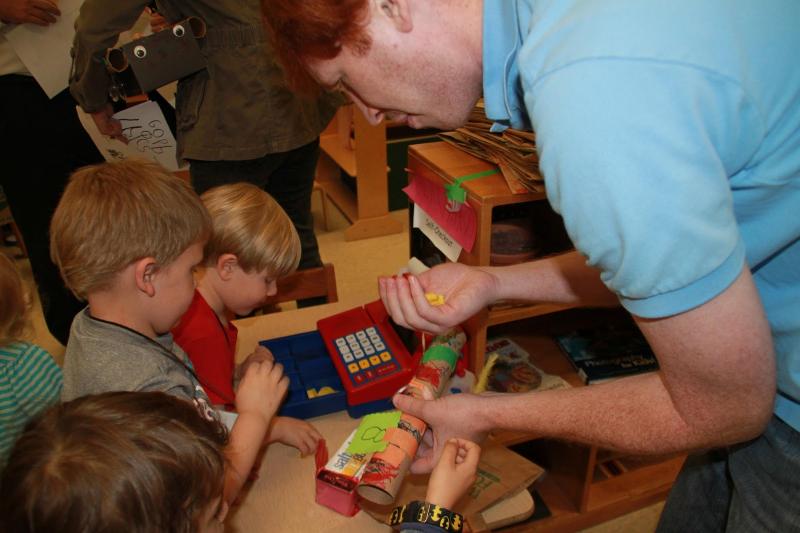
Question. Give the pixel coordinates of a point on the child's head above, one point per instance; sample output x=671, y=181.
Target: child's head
x=130, y=230
x=252, y=239
x=13, y=303
x=120, y=461
x=114, y=214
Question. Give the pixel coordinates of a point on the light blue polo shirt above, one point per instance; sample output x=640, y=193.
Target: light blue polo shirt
x=669, y=139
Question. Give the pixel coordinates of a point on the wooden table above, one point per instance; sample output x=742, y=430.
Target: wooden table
x=282, y=498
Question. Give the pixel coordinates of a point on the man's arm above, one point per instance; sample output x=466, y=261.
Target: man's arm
x=716, y=385
x=564, y=278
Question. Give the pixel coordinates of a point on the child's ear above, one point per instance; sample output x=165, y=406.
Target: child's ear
x=226, y=263
x=145, y=270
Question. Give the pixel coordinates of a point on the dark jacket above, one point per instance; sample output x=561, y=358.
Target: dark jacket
x=238, y=108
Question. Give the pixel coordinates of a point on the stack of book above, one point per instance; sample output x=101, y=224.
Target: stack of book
x=608, y=351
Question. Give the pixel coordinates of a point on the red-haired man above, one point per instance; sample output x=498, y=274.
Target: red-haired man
x=669, y=140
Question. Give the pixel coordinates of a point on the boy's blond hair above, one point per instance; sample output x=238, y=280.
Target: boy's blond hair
x=14, y=305
x=249, y=223
x=113, y=214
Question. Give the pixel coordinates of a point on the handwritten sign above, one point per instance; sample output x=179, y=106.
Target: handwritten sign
x=147, y=132
x=437, y=234
x=370, y=433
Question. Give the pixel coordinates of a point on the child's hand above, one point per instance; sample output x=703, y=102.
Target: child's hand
x=262, y=390
x=294, y=432
x=454, y=474
x=259, y=354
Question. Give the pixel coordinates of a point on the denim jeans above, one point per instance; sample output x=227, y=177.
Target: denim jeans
x=749, y=487
x=287, y=176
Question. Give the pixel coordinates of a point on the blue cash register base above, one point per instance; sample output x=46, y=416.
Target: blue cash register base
x=356, y=354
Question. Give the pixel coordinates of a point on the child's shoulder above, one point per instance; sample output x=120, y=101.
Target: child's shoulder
x=22, y=353
x=26, y=367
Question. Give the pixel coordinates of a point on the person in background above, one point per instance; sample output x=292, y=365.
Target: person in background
x=30, y=381
x=669, y=140
x=127, y=237
x=252, y=243
x=118, y=461
x=36, y=165
x=237, y=120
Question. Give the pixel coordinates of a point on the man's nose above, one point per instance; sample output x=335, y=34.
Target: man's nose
x=373, y=115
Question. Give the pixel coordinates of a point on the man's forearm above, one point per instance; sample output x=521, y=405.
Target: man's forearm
x=565, y=278
x=632, y=415
x=716, y=385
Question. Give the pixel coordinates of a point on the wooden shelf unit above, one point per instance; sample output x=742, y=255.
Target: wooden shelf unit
x=584, y=485
x=442, y=163
x=364, y=158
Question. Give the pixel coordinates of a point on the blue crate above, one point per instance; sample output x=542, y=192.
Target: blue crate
x=363, y=409
x=307, y=365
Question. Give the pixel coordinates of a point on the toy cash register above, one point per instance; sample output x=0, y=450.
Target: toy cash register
x=369, y=355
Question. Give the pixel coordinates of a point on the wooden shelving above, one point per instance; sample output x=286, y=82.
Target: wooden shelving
x=362, y=156
x=442, y=163
x=583, y=485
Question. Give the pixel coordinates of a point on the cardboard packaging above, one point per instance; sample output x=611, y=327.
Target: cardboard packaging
x=338, y=477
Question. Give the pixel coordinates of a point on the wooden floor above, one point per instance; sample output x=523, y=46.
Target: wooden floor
x=352, y=259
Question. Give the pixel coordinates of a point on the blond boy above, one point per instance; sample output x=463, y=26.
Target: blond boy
x=126, y=237
x=252, y=243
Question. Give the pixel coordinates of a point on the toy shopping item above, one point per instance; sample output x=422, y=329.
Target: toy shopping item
x=385, y=472
x=338, y=477
x=153, y=61
x=372, y=360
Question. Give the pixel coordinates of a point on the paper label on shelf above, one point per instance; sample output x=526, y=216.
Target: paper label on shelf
x=460, y=226
x=148, y=134
x=438, y=236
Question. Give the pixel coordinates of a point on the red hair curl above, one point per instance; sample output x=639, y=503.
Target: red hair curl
x=306, y=30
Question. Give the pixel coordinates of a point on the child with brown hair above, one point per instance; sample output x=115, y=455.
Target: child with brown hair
x=30, y=381
x=126, y=237
x=119, y=461
x=252, y=243
x=145, y=462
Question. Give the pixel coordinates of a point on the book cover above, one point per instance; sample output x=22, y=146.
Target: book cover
x=608, y=351
x=514, y=372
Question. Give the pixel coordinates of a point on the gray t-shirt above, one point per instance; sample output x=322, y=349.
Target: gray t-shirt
x=102, y=357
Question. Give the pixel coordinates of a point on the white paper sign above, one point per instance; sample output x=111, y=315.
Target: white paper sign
x=148, y=134
x=45, y=49
x=438, y=236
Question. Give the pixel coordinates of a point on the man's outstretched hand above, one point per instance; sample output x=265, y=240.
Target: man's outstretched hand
x=454, y=416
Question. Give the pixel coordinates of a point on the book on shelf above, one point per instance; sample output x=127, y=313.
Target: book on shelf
x=513, y=370
x=608, y=351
